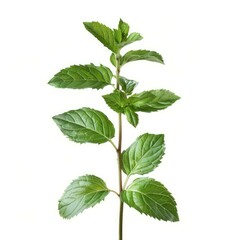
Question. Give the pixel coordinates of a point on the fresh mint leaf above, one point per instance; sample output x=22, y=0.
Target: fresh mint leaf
x=117, y=35
x=113, y=59
x=85, y=125
x=124, y=28
x=127, y=85
x=150, y=197
x=133, y=37
x=139, y=100
x=144, y=155
x=104, y=34
x=153, y=100
x=117, y=101
x=82, y=193
x=136, y=55
x=132, y=116
x=82, y=76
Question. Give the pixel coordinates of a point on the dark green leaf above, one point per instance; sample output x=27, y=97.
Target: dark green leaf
x=103, y=33
x=150, y=197
x=82, y=76
x=151, y=101
x=113, y=59
x=116, y=101
x=141, y=55
x=144, y=155
x=133, y=37
x=124, y=28
x=85, y=125
x=82, y=193
x=127, y=85
x=132, y=117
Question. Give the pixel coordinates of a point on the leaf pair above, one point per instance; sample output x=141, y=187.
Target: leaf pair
x=144, y=194
x=147, y=101
x=147, y=195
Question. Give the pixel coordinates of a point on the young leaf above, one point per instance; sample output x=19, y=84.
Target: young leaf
x=150, y=197
x=103, y=33
x=85, y=125
x=117, y=35
x=82, y=76
x=124, y=28
x=127, y=85
x=116, y=101
x=151, y=101
x=141, y=55
x=133, y=37
x=113, y=59
x=144, y=155
x=132, y=117
x=82, y=193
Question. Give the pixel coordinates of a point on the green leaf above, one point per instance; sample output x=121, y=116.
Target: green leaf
x=136, y=55
x=85, y=125
x=150, y=197
x=103, y=33
x=82, y=76
x=117, y=35
x=124, y=28
x=127, y=85
x=82, y=193
x=153, y=100
x=133, y=37
x=144, y=155
x=116, y=101
x=139, y=100
x=132, y=117
x=113, y=59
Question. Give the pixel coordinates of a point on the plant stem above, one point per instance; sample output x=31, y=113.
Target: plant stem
x=120, y=176
x=119, y=151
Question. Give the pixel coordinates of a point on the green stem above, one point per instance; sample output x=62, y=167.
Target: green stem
x=126, y=181
x=119, y=150
x=113, y=192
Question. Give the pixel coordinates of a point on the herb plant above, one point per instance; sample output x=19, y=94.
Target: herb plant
x=87, y=125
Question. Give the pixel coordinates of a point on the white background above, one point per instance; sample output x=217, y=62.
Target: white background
x=199, y=41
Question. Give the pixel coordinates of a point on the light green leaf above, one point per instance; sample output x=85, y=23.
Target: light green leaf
x=127, y=85
x=113, y=59
x=82, y=193
x=82, y=76
x=124, y=28
x=85, y=125
x=117, y=35
x=136, y=55
x=132, y=117
x=133, y=37
x=116, y=101
x=151, y=101
x=141, y=99
x=150, y=197
x=144, y=155
x=103, y=33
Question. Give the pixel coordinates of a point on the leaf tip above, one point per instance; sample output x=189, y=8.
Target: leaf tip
x=51, y=82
